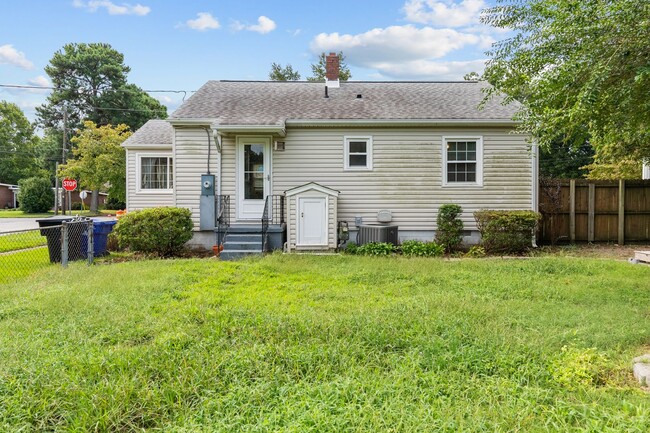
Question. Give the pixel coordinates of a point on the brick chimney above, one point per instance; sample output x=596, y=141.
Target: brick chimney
x=332, y=70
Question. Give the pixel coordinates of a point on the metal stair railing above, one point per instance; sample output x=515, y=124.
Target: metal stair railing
x=273, y=214
x=222, y=217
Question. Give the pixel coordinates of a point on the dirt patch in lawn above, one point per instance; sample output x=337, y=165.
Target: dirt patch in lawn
x=604, y=251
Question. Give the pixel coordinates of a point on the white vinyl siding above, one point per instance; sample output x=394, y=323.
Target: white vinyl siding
x=190, y=161
x=136, y=199
x=406, y=177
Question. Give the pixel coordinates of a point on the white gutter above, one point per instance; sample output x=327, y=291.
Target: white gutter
x=305, y=123
x=191, y=122
x=279, y=130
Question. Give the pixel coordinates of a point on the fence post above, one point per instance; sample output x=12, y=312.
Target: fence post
x=592, y=213
x=64, y=244
x=621, y=212
x=91, y=242
x=572, y=210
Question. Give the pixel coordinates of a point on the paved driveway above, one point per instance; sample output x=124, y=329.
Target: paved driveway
x=11, y=224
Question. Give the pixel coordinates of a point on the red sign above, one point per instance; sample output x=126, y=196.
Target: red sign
x=69, y=184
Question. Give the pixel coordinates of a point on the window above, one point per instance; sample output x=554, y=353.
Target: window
x=156, y=173
x=462, y=158
x=358, y=153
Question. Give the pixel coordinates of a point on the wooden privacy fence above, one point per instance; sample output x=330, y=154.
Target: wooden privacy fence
x=579, y=210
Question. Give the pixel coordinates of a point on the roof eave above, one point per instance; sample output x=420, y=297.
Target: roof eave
x=309, y=123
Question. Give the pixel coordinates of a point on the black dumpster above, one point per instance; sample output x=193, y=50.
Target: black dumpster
x=101, y=230
x=50, y=228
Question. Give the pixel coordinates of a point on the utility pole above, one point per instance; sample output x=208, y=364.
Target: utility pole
x=63, y=149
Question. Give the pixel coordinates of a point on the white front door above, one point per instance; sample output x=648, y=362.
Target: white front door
x=312, y=221
x=253, y=176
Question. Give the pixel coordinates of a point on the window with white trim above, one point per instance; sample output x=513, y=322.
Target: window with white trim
x=358, y=153
x=156, y=173
x=462, y=159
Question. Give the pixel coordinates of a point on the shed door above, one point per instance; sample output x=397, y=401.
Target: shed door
x=312, y=221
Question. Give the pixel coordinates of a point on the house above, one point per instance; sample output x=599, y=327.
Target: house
x=8, y=196
x=368, y=154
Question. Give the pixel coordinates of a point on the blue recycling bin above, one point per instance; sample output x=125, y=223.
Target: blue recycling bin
x=101, y=230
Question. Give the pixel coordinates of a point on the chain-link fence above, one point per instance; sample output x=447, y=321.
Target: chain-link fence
x=24, y=251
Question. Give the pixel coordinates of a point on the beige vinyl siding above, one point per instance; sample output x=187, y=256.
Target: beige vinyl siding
x=407, y=173
x=142, y=200
x=406, y=177
x=190, y=161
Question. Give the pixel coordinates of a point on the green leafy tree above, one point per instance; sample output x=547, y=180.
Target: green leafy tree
x=99, y=161
x=578, y=67
x=90, y=82
x=279, y=73
x=565, y=160
x=318, y=69
x=18, y=158
x=35, y=195
x=472, y=76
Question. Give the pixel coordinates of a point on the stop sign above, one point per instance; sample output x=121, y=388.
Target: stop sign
x=69, y=184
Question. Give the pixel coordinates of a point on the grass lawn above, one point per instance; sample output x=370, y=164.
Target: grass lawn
x=326, y=344
x=21, y=240
x=12, y=213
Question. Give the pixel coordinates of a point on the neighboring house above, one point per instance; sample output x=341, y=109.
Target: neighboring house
x=365, y=153
x=8, y=196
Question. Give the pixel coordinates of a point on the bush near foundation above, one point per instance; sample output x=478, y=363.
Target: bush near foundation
x=159, y=231
x=506, y=231
x=449, y=231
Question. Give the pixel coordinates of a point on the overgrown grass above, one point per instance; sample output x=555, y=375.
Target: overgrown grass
x=326, y=344
x=21, y=240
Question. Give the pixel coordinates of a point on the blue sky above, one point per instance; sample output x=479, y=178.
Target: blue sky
x=179, y=45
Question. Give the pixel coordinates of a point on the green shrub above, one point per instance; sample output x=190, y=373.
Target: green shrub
x=76, y=205
x=415, y=248
x=475, y=251
x=114, y=203
x=376, y=249
x=351, y=248
x=506, y=231
x=449, y=232
x=161, y=231
x=35, y=195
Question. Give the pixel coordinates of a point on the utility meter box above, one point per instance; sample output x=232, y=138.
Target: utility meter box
x=207, y=184
x=207, y=216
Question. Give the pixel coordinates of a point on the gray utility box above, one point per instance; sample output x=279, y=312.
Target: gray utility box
x=206, y=221
x=376, y=233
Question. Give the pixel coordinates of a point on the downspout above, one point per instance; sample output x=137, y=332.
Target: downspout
x=207, y=131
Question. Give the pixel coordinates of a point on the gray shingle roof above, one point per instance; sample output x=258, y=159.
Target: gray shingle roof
x=273, y=102
x=153, y=132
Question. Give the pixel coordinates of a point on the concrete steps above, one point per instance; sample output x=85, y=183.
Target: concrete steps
x=242, y=242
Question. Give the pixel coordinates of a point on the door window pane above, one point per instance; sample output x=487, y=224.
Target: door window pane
x=254, y=171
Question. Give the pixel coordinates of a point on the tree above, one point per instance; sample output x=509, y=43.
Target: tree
x=278, y=73
x=35, y=195
x=99, y=160
x=472, y=76
x=318, y=69
x=577, y=66
x=564, y=159
x=90, y=82
x=18, y=157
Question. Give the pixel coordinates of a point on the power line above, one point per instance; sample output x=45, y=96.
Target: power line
x=81, y=89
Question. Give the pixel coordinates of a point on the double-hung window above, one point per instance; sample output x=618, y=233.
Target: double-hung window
x=462, y=161
x=358, y=153
x=156, y=173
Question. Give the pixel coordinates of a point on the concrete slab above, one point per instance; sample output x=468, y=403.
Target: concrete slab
x=642, y=256
x=641, y=368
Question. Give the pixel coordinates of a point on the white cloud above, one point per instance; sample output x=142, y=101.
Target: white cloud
x=204, y=21
x=40, y=81
x=428, y=69
x=446, y=13
x=397, y=43
x=112, y=8
x=11, y=56
x=264, y=25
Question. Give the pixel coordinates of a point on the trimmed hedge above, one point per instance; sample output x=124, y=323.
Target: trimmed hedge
x=161, y=231
x=449, y=231
x=506, y=231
